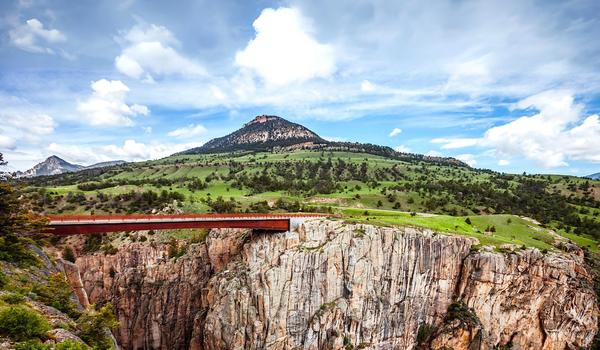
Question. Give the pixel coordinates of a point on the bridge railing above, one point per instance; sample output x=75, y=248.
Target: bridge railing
x=251, y=216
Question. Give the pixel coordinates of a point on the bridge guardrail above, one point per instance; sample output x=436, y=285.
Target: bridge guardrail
x=179, y=217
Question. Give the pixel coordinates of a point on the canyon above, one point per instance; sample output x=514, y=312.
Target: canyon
x=334, y=285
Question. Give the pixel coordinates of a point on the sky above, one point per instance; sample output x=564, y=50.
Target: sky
x=512, y=86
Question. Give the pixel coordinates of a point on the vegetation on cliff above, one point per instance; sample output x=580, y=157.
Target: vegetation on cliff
x=37, y=307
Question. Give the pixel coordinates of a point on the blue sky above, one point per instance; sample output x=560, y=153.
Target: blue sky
x=507, y=85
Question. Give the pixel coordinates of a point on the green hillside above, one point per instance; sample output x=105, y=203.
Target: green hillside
x=334, y=182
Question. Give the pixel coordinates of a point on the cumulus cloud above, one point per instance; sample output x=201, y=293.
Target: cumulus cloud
x=130, y=150
x=106, y=105
x=402, y=149
x=284, y=49
x=557, y=133
x=367, y=86
x=22, y=121
x=33, y=37
x=467, y=158
x=7, y=142
x=148, y=51
x=503, y=162
x=395, y=132
x=188, y=131
x=433, y=153
x=452, y=143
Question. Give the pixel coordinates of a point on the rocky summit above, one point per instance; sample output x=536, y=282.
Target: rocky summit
x=273, y=133
x=261, y=133
x=53, y=165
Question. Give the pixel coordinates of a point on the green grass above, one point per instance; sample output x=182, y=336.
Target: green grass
x=518, y=231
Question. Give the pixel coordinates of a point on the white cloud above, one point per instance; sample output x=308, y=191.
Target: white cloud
x=20, y=120
x=106, y=105
x=471, y=76
x=188, y=131
x=7, y=142
x=130, y=150
x=218, y=93
x=395, y=132
x=433, y=153
x=402, y=149
x=453, y=143
x=503, y=162
x=467, y=158
x=148, y=51
x=284, y=49
x=557, y=133
x=335, y=138
x=33, y=37
x=367, y=86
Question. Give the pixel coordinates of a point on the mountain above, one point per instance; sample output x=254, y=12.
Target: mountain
x=595, y=176
x=273, y=133
x=264, y=132
x=53, y=165
x=105, y=164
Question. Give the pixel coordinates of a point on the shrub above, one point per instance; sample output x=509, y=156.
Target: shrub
x=3, y=280
x=92, y=243
x=70, y=345
x=468, y=221
x=110, y=249
x=94, y=325
x=21, y=323
x=15, y=223
x=68, y=254
x=199, y=236
x=460, y=311
x=57, y=293
x=13, y=298
x=424, y=333
x=32, y=345
x=174, y=250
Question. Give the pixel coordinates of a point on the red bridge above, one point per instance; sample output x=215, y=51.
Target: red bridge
x=84, y=224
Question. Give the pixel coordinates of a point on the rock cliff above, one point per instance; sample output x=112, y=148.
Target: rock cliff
x=338, y=286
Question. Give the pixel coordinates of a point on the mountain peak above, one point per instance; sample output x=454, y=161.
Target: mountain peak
x=270, y=132
x=262, y=119
x=53, y=165
x=264, y=132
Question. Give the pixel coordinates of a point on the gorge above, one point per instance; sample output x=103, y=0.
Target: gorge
x=335, y=285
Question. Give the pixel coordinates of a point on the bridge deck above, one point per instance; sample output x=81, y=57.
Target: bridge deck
x=86, y=224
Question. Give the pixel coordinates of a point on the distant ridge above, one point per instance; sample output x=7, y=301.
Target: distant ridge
x=273, y=133
x=595, y=176
x=105, y=164
x=55, y=165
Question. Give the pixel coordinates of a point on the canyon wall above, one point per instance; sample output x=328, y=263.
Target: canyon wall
x=332, y=285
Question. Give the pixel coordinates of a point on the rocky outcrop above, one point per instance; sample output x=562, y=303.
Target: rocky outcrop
x=333, y=285
x=531, y=300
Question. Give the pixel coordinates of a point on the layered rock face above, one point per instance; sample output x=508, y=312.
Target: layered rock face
x=335, y=286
